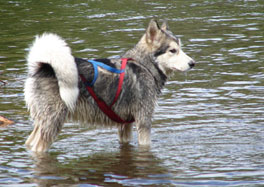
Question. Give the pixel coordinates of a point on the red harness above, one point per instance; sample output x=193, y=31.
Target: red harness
x=101, y=104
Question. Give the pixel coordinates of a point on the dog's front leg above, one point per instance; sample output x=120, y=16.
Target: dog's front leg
x=144, y=130
x=125, y=133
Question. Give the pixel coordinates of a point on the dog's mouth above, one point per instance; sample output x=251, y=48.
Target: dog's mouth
x=188, y=67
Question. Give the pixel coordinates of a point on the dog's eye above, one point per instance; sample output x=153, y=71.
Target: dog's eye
x=173, y=50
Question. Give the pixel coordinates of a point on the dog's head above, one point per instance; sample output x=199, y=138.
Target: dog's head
x=166, y=48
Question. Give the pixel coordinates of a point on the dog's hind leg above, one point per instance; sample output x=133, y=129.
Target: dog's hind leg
x=45, y=132
x=47, y=125
x=125, y=133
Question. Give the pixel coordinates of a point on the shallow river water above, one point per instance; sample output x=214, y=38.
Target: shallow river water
x=208, y=129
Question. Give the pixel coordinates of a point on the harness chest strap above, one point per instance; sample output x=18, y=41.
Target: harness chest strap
x=101, y=104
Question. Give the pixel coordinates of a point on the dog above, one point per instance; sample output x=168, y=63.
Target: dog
x=107, y=92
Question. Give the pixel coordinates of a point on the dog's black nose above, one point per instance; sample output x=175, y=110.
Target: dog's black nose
x=192, y=64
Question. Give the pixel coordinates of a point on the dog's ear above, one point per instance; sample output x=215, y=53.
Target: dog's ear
x=152, y=31
x=164, y=25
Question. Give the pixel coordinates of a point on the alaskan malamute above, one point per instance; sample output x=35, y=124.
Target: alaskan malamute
x=109, y=92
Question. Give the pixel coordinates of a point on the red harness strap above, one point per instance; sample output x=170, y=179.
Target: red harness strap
x=121, y=79
x=102, y=105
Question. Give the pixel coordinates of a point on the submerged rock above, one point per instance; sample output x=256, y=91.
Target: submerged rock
x=5, y=122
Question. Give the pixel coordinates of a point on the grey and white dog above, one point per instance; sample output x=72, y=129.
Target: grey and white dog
x=54, y=91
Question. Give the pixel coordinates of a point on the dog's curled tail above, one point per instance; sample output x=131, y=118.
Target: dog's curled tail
x=53, y=50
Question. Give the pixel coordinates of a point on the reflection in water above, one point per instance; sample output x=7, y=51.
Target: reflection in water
x=130, y=166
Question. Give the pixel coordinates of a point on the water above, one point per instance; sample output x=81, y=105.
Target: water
x=208, y=129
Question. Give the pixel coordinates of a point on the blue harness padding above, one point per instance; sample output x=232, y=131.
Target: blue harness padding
x=102, y=65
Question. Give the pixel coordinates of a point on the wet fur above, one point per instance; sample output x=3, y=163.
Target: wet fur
x=54, y=92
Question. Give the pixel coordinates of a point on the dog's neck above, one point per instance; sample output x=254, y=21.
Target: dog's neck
x=147, y=60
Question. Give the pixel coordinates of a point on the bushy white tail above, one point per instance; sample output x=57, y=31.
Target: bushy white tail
x=51, y=49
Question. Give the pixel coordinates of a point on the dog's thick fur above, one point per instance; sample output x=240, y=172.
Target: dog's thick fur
x=55, y=93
